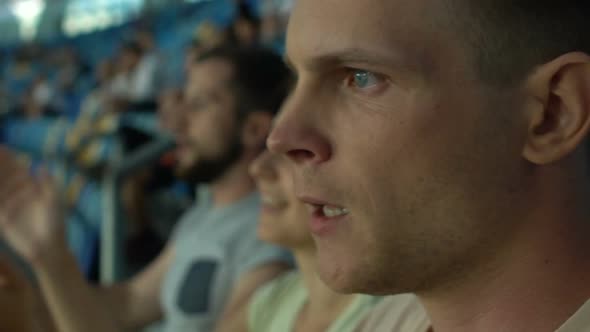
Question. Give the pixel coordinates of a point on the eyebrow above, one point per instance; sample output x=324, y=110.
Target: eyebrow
x=359, y=56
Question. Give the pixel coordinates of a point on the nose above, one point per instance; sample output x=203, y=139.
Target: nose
x=177, y=118
x=180, y=123
x=296, y=132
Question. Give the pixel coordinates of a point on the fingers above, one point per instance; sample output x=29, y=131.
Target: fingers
x=11, y=185
x=20, y=201
x=16, y=177
x=11, y=162
x=47, y=184
x=14, y=186
x=13, y=227
x=14, y=173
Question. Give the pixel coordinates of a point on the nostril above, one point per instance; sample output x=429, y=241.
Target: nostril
x=300, y=155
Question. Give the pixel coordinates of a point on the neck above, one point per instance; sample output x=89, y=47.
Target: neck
x=535, y=283
x=234, y=185
x=320, y=296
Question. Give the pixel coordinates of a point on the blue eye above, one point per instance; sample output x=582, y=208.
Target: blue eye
x=363, y=79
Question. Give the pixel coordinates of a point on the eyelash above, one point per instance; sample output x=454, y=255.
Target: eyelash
x=346, y=76
x=349, y=80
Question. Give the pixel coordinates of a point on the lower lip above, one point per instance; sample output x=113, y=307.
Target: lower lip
x=322, y=226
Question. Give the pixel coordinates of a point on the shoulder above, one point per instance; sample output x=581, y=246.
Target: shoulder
x=276, y=295
x=357, y=312
x=363, y=302
x=279, y=289
x=272, y=306
x=189, y=220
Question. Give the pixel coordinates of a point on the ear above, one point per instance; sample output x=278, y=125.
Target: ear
x=559, y=117
x=256, y=129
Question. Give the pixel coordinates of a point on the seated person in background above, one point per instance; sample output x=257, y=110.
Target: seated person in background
x=297, y=301
x=207, y=36
x=133, y=86
x=95, y=101
x=214, y=261
x=169, y=105
x=148, y=73
x=245, y=30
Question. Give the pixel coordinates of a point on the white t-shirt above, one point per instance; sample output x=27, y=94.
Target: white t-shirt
x=579, y=322
x=214, y=247
x=398, y=313
x=404, y=313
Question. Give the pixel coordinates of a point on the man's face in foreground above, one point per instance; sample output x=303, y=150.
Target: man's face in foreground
x=409, y=162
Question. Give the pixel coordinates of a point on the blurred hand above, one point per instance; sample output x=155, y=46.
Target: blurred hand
x=17, y=299
x=31, y=217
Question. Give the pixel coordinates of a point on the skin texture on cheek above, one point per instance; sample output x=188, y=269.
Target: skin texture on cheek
x=417, y=188
x=425, y=169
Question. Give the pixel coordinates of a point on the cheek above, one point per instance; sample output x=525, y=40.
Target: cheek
x=206, y=135
x=387, y=167
x=423, y=181
x=266, y=228
x=298, y=220
x=193, y=125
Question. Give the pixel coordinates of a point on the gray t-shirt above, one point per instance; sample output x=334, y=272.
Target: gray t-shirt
x=213, y=248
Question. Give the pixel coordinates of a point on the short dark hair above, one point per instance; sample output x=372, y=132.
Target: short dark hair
x=260, y=77
x=246, y=13
x=510, y=38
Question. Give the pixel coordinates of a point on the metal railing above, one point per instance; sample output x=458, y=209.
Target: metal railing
x=113, y=227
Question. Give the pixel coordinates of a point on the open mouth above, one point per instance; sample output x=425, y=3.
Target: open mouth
x=328, y=211
x=326, y=218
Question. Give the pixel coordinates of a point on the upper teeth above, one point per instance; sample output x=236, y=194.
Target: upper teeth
x=331, y=211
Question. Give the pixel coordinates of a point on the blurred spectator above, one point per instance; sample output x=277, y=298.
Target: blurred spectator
x=56, y=81
x=134, y=85
x=71, y=68
x=21, y=73
x=127, y=62
x=169, y=107
x=71, y=75
x=148, y=69
x=245, y=30
x=207, y=36
x=274, y=18
x=214, y=261
x=43, y=92
x=295, y=301
x=96, y=100
x=37, y=102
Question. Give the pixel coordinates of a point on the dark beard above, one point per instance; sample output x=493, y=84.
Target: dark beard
x=207, y=171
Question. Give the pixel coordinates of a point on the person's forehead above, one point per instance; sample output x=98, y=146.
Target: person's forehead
x=398, y=31
x=209, y=75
